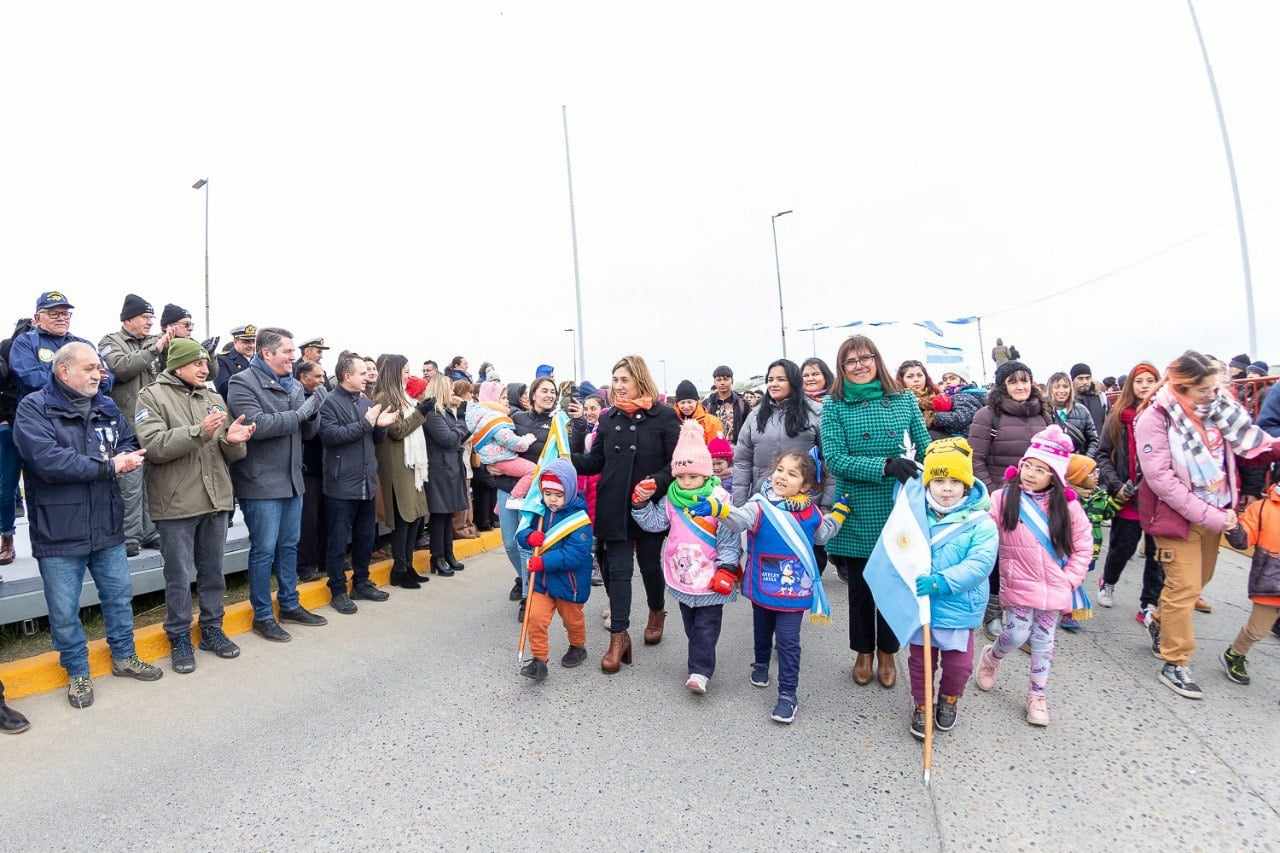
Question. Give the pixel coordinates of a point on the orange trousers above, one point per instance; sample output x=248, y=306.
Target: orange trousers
x=541, y=608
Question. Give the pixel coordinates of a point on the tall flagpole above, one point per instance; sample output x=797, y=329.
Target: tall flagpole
x=573, y=232
x=1235, y=187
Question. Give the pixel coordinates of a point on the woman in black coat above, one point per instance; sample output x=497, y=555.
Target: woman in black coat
x=447, y=481
x=632, y=453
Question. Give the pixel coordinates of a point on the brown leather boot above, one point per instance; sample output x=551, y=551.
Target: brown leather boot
x=7, y=554
x=886, y=669
x=653, y=628
x=619, y=652
x=862, y=669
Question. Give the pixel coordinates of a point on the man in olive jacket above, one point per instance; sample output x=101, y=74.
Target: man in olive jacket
x=182, y=424
x=349, y=426
x=268, y=481
x=133, y=355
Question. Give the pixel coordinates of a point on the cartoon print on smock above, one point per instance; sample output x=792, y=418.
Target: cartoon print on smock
x=784, y=577
x=691, y=566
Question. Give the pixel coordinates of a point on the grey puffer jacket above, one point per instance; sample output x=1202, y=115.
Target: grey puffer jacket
x=757, y=450
x=999, y=442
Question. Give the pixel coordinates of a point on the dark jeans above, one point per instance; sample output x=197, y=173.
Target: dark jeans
x=274, y=527
x=442, y=535
x=1125, y=536
x=702, y=627
x=618, y=568
x=10, y=468
x=314, y=544
x=867, y=629
x=192, y=549
x=784, y=628
x=357, y=520
x=64, y=582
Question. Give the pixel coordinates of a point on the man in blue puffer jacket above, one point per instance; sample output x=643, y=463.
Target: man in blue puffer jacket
x=964, y=541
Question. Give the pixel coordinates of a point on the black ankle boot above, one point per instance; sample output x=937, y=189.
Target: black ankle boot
x=440, y=567
x=11, y=722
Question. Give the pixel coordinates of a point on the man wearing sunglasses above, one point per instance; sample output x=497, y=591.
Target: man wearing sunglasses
x=31, y=356
x=176, y=322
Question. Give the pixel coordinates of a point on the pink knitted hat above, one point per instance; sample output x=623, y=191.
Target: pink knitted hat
x=691, y=456
x=490, y=392
x=1053, y=447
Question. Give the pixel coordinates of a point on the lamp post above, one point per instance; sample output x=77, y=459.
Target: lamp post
x=815, y=328
x=203, y=184
x=573, y=346
x=1235, y=186
x=777, y=268
x=664, y=376
x=580, y=355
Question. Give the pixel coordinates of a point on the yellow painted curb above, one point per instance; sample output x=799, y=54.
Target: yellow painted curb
x=42, y=673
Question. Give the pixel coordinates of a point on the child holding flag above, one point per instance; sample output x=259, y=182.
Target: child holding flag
x=963, y=542
x=700, y=555
x=1045, y=548
x=781, y=577
x=560, y=569
x=1082, y=475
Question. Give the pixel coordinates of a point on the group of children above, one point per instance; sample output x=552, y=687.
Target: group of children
x=1043, y=530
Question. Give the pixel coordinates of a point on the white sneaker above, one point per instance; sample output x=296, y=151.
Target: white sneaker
x=697, y=683
x=606, y=618
x=1107, y=595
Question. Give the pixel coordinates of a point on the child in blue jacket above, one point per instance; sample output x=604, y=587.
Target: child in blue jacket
x=964, y=542
x=559, y=570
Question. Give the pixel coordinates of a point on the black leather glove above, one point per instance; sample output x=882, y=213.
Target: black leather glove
x=900, y=469
x=427, y=406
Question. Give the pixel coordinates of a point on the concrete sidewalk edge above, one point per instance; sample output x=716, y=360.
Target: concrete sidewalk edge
x=43, y=672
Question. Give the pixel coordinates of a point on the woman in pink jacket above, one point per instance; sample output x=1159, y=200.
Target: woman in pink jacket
x=1046, y=543
x=1188, y=434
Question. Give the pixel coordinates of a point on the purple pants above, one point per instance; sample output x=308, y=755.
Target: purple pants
x=956, y=669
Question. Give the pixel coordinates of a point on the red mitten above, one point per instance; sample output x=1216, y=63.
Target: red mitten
x=535, y=565
x=942, y=403
x=723, y=580
x=536, y=538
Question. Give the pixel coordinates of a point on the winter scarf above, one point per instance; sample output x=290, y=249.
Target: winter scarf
x=415, y=451
x=287, y=382
x=816, y=396
x=1187, y=434
x=1127, y=417
x=855, y=393
x=684, y=499
x=796, y=503
x=633, y=406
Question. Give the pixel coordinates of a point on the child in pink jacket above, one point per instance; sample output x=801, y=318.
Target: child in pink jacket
x=1046, y=543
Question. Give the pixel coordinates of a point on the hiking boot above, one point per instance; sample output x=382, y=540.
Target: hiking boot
x=135, y=667
x=516, y=591
x=1037, y=709
x=80, y=691
x=696, y=682
x=1233, y=662
x=785, y=710
x=535, y=669
x=944, y=718
x=1153, y=628
x=1179, y=680
x=212, y=639
x=368, y=592
x=759, y=675
x=574, y=657
x=303, y=617
x=269, y=629
x=1107, y=595
x=988, y=668
x=181, y=654
x=342, y=603
x=917, y=722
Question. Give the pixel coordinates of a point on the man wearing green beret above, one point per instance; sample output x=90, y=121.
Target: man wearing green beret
x=182, y=423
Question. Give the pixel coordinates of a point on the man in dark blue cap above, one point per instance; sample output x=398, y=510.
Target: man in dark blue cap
x=236, y=357
x=31, y=357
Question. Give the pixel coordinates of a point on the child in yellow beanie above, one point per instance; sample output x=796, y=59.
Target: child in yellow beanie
x=964, y=540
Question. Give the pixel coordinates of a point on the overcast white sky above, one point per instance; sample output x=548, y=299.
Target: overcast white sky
x=392, y=175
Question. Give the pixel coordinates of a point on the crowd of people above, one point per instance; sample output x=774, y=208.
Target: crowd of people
x=152, y=440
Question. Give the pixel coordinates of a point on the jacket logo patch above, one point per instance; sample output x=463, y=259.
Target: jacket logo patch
x=45, y=354
x=141, y=415
x=1146, y=448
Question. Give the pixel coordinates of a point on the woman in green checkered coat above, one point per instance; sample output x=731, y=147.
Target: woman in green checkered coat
x=867, y=426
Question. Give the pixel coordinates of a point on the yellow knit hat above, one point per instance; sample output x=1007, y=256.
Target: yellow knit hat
x=949, y=457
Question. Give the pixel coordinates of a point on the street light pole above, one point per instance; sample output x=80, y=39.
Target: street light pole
x=573, y=233
x=203, y=183
x=777, y=268
x=573, y=347
x=664, y=376
x=1235, y=186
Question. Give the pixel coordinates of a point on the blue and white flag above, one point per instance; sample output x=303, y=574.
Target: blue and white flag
x=901, y=555
x=557, y=446
x=941, y=354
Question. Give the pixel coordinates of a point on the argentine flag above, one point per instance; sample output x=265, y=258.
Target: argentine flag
x=901, y=555
x=557, y=446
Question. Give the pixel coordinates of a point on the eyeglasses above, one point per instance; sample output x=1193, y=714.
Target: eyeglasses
x=859, y=360
x=58, y=315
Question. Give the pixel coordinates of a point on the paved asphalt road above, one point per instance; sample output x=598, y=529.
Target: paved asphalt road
x=406, y=727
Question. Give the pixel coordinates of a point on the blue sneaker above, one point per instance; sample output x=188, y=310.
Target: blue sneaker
x=785, y=710
x=1070, y=625
x=759, y=675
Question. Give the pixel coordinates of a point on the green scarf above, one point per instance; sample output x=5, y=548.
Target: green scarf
x=855, y=393
x=683, y=499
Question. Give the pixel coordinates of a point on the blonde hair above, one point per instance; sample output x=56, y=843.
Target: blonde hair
x=440, y=389
x=635, y=365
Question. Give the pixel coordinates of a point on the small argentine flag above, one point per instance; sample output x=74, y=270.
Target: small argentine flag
x=900, y=556
x=557, y=447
